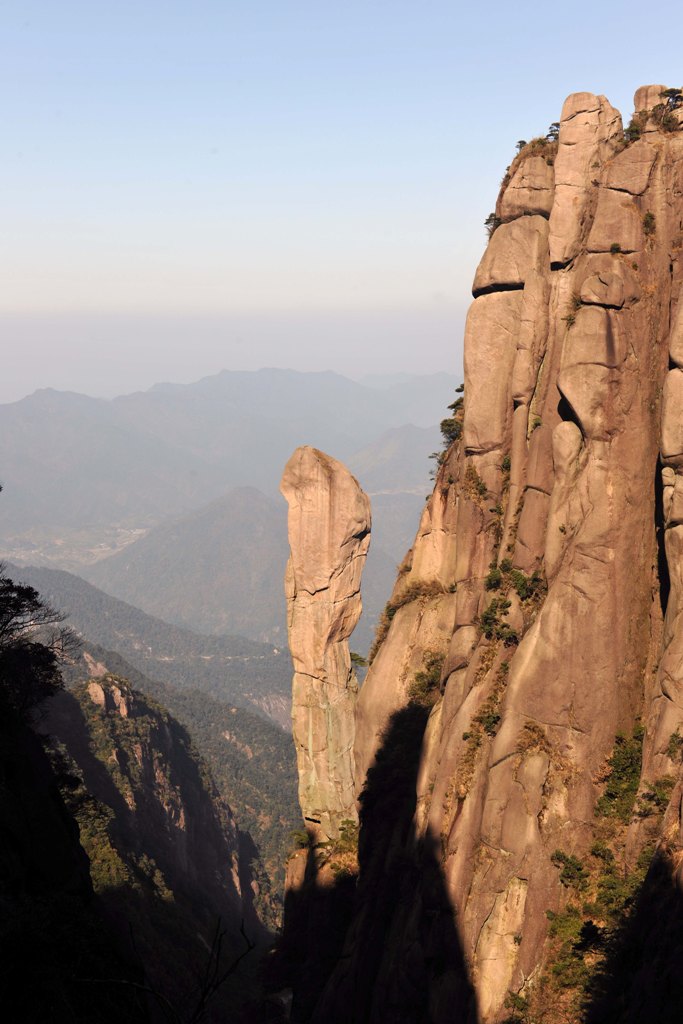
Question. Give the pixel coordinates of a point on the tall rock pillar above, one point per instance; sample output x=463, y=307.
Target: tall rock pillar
x=329, y=535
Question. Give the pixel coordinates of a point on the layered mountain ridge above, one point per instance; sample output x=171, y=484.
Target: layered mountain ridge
x=168, y=498
x=518, y=736
x=84, y=477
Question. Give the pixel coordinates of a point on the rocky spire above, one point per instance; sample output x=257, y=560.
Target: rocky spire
x=329, y=535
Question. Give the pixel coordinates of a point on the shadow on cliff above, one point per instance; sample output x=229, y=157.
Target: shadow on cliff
x=53, y=937
x=384, y=948
x=165, y=894
x=662, y=563
x=642, y=979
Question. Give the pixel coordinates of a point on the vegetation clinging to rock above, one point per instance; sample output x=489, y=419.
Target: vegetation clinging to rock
x=622, y=775
x=424, y=688
x=411, y=592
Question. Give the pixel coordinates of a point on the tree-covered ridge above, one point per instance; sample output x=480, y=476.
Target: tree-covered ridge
x=154, y=907
x=251, y=760
x=218, y=687
x=162, y=845
x=231, y=668
x=32, y=641
x=54, y=939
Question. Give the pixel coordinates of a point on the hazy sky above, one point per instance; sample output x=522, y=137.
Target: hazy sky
x=239, y=183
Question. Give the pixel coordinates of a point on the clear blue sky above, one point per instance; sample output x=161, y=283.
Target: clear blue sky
x=188, y=187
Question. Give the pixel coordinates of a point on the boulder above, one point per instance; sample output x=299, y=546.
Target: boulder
x=672, y=419
x=490, y=348
x=530, y=190
x=647, y=96
x=618, y=222
x=515, y=250
x=631, y=169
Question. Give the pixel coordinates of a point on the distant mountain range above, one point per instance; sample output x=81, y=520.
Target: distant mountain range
x=396, y=461
x=169, y=498
x=70, y=463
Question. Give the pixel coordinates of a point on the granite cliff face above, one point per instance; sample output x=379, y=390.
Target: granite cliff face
x=329, y=536
x=518, y=738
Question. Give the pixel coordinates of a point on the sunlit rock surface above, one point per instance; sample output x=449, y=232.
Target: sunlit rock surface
x=329, y=534
x=546, y=578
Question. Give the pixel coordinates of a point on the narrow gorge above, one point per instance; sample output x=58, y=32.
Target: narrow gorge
x=518, y=741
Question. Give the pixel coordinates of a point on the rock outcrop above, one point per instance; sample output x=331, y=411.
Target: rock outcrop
x=329, y=535
x=539, y=618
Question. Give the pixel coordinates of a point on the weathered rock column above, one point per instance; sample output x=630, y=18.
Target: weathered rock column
x=329, y=535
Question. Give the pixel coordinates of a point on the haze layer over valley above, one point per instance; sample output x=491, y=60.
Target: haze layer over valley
x=168, y=499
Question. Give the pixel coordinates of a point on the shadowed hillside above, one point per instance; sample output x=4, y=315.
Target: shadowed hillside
x=230, y=668
x=163, y=847
x=251, y=760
